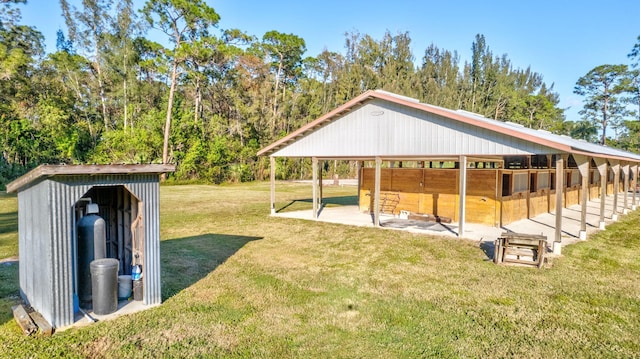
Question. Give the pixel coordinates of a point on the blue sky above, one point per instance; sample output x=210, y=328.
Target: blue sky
x=561, y=39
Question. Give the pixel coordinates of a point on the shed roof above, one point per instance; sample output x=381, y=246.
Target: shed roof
x=44, y=171
x=518, y=137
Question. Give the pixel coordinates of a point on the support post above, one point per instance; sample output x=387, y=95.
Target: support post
x=601, y=163
x=583, y=167
x=550, y=168
x=616, y=188
x=625, y=188
x=376, y=199
x=314, y=169
x=557, y=241
x=463, y=194
x=359, y=165
x=272, y=178
x=320, y=183
x=634, y=184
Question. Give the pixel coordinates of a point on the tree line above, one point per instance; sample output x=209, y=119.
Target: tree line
x=207, y=99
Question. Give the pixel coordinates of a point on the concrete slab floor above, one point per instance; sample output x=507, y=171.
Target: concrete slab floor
x=543, y=224
x=127, y=306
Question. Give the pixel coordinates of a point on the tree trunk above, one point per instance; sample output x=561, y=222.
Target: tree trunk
x=124, y=88
x=197, y=101
x=101, y=88
x=167, y=126
x=275, y=95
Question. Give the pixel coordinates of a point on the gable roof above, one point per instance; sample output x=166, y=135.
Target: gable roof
x=507, y=138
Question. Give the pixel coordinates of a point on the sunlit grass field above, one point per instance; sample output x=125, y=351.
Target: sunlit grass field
x=239, y=283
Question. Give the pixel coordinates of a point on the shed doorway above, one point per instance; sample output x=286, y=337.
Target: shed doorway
x=122, y=212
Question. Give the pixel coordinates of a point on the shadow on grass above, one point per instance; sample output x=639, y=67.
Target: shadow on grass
x=187, y=260
x=337, y=201
x=9, y=289
x=489, y=248
x=8, y=222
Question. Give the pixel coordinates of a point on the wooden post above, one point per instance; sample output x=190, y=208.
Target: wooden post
x=314, y=169
x=625, y=187
x=583, y=167
x=376, y=198
x=635, y=185
x=497, y=219
x=463, y=194
x=528, y=198
x=272, y=177
x=360, y=165
x=320, y=183
x=601, y=164
x=557, y=241
x=615, y=165
x=549, y=167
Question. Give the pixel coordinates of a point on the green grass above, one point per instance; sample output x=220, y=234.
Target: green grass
x=239, y=283
x=8, y=225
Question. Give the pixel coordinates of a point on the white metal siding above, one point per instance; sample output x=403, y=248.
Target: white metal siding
x=380, y=128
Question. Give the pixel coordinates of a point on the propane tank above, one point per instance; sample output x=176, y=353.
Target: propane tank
x=92, y=244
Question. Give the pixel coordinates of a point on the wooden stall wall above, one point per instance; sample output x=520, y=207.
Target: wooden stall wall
x=539, y=202
x=594, y=184
x=572, y=190
x=440, y=193
x=482, y=193
x=514, y=207
x=528, y=201
x=432, y=191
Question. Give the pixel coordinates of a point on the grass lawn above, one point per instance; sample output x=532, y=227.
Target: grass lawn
x=238, y=283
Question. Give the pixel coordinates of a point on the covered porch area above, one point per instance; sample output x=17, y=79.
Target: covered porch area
x=544, y=224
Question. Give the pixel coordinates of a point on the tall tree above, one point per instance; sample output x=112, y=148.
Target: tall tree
x=285, y=52
x=634, y=78
x=602, y=87
x=397, y=70
x=87, y=28
x=439, y=78
x=9, y=15
x=124, y=29
x=184, y=22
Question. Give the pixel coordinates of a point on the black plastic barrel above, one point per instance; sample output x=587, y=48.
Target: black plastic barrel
x=104, y=285
x=91, y=245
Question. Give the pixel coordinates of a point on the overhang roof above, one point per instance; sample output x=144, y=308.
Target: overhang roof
x=45, y=171
x=563, y=144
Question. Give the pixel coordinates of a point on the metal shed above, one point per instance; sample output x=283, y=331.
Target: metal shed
x=52, y=198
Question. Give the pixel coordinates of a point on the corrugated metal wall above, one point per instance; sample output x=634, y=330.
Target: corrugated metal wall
x=388, y=129
x=47, y=240
x=35, y=251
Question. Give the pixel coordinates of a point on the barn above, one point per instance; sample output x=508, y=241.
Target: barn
x=426, y=159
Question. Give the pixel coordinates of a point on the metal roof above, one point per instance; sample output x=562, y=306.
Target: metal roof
x=470, y=132
x=44, y=171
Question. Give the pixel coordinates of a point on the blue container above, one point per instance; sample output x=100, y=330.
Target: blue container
x=136, y=272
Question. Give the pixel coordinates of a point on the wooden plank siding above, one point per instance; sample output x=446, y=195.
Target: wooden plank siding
x=435, y=191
